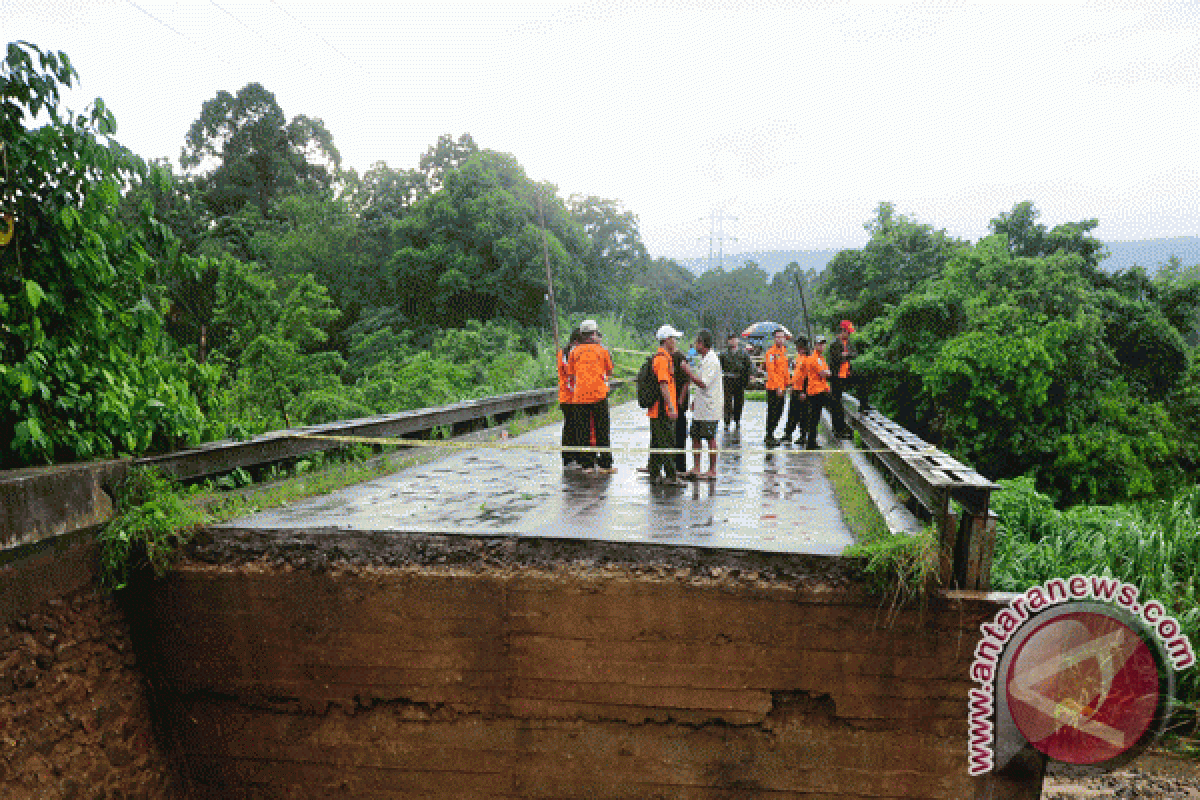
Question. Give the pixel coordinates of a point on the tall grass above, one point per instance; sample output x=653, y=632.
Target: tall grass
x=1154, y=546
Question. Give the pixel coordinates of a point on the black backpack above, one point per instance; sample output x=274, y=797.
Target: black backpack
x=648, y=392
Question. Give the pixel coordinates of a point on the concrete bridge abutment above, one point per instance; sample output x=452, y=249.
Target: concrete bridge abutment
x=435, y=666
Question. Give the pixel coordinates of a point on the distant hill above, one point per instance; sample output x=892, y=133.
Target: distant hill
x=1151, y=253
x=1148, y=253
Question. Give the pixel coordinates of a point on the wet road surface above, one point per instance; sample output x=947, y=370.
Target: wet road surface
x=770, y=501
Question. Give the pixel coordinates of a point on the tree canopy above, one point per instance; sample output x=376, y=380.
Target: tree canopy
x=248, y=152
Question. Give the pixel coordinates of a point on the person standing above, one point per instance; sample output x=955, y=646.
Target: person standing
x=708, y=404
x=664, y=413
x=841, y=353
x=818, y=389
x=589, y=367
x=570, y=431
x=685, y=376
x=798, y=404
x=736, y=369
x=778, y=376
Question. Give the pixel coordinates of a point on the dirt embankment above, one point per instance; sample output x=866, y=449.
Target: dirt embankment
x=74, y=720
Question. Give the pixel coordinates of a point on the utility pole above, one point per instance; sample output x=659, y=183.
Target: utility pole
x=716, y=233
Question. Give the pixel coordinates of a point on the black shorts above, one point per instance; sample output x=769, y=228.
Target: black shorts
x=704, y=429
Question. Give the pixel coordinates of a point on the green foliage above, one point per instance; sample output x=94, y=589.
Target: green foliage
x=615, y=256
x=247, y=151
x=1020, y=358
x=474, y=249
x=153, y=522
x=85, y=370
x=275, y=331
x=900, y=566
x=900, y=256
x=1154, y=546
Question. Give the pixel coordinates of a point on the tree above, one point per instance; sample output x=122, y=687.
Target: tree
x=1026, y=237
x=1020, y=365
x=442, y=157
x=273, y=334
x=900, y=256
x=473, y=250
x=616, y=255
x=249, y=152
x=729, y=301
x=85, y=370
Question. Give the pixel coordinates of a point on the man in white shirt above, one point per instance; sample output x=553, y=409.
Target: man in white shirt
x=708, y=406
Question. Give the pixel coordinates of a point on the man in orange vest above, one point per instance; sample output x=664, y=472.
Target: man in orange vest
x=664, y=413
x=588, y=369
x=778, y=377
x=798, y=405
x=818, y=389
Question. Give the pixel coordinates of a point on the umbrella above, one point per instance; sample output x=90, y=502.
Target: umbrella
x=761, y=330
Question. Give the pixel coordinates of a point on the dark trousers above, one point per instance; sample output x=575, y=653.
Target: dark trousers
x=570, y=433
x=815, y=403
x=735, y=398
x=681, y=441
x=595, y=416
x=796, y=416
x=836, y=409
x=774, y=410
x=662, y=436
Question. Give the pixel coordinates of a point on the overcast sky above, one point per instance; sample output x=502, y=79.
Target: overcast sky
x=797, y=119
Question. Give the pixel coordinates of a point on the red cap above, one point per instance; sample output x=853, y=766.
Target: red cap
x=847, y=326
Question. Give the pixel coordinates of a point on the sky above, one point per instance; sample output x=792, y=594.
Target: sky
x=792, y=121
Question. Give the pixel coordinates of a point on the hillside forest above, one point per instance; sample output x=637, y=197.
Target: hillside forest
x=257, y=283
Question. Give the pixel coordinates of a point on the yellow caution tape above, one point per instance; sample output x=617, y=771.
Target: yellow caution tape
x=554, y=448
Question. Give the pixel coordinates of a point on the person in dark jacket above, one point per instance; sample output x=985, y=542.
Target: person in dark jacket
x=736, y=369
x=685, y=376
x=841, y=355
x=570, y=430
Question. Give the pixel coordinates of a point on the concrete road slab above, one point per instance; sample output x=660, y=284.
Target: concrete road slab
x=771, y=501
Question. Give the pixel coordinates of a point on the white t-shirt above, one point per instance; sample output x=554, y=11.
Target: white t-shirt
x=710, y=401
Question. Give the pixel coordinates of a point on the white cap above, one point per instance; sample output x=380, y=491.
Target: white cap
x=667, y=332
x=588, y=326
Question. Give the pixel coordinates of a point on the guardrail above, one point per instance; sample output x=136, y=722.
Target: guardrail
x=40, y=503
x=934, y=479
x=216, y=458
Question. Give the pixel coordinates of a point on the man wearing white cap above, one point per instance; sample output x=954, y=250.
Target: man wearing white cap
x=664, y=412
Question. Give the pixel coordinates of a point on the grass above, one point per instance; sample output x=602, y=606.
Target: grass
x=1154, y=546
x=901, y=566
x=859, y=512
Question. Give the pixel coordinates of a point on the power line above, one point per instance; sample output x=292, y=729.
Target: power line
x=234, y=17
x=165, y=25
x=347, y=58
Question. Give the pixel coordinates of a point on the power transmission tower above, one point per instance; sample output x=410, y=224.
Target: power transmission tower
x=716, y=234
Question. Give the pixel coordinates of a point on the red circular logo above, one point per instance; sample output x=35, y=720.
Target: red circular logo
x=1083, y=687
